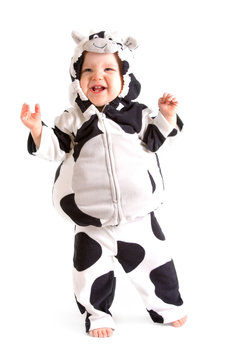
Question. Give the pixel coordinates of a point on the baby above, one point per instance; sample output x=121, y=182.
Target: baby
x=109, y=182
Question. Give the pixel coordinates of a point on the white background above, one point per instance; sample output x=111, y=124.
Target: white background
x=190, y=48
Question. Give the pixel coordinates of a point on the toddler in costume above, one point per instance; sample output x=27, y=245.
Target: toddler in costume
x=109, y=182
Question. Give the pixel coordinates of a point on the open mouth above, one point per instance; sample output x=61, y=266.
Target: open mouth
x=97, y=89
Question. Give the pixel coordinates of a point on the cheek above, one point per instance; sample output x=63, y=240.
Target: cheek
x=83, y=84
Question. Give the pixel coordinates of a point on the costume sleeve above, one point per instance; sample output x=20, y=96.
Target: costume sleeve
x=57, y=141
x=156, y=130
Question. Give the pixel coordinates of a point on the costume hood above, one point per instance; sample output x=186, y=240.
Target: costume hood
x=104, y=42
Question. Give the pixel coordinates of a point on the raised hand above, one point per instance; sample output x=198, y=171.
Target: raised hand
x=168, y=106
x=29, y=119
x=33, y=122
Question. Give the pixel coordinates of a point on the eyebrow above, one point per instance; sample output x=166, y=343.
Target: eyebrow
x=104, y=65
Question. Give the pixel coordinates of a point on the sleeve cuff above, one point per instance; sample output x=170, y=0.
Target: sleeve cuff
x=49, y=146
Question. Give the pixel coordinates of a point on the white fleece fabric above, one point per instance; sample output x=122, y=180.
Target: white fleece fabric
x=109, y=172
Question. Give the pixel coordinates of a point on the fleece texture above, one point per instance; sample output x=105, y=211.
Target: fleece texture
x=109, y=172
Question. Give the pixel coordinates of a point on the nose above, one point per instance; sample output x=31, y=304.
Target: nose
x=98, y=75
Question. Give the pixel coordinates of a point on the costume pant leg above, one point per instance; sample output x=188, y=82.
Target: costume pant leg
x=93, y=275
x=143, y=253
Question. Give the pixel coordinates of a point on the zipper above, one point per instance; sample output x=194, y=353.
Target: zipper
x=160, y=170
x=110, y=164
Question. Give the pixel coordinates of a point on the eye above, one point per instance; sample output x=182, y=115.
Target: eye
x=86, y=70
x=110, y=39
x=95, y=36
x=109, y=69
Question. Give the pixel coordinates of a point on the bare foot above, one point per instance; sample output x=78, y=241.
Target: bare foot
x=179, y=323
x=101, y=332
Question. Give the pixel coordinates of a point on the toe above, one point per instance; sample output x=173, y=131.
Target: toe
x=179, y=323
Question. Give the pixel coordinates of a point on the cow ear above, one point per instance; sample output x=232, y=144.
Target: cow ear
x=77, y=37
x=131, y=43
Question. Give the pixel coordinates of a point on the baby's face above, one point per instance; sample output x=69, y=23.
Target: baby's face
x=101, y=80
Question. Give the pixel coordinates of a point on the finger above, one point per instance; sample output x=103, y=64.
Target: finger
x=25, y=105
x=25, y=111
x=163, y=98
x=25, y=108
x=173, y=100
x=169, y=97
x=37, y=109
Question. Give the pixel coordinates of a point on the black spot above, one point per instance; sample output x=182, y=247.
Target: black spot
x=63, y=139
x=156, y=317
x=156, y=227
x=83, y=104
x=153, y=138
x=86, y=251
x=129, y=255
x=80, y=307
x=179, y=123
x=173, y=133
x=82, y=310
x=102, y=292
x=134, y=89
x=69, y=206
x=31, y=147
x=180, y=126
x=159, y=168
x=129, y=118
x=100, y=34
x=88, y=131
x=78, y=68
x=58, y=172
x=152, y=182
x=87, y=322
x=125, y=67
x=166, y=285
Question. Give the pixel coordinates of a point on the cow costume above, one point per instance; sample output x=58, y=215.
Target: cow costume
x=109, y=184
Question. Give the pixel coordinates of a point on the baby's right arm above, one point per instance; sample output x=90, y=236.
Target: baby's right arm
x=51, y=143
x=33, y=122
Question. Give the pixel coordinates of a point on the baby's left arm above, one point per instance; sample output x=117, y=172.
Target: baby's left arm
x=168, y=106
x=156, y=129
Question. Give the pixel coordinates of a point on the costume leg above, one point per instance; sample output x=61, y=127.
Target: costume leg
x=93, y=275
x=143, y=253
